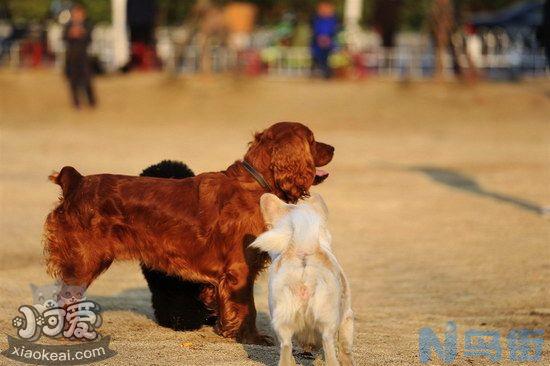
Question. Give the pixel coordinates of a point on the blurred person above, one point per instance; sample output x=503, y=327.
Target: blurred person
x=386, y=24
x=325, y=27
x=239, y=19
x=33, y=46
x=442, y=24
x=285, y=29
x=211, y=31
x=208, y=28
x=77, y=37
x=386, y=20
x=473, y=51
x=6, y=30
x=544, y=31
x=459, y=39
x=141, y=17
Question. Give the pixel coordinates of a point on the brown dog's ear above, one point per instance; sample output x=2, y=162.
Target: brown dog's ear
x=293, y=168
x=272, y=208
x=262, y=136
x=318, y=204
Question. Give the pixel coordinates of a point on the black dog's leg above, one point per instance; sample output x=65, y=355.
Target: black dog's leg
x=177, y=304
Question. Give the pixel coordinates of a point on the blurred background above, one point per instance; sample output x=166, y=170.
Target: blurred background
x=494, y=39
x=439, y=110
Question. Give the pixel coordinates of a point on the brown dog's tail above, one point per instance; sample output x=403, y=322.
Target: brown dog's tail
x=68, y=178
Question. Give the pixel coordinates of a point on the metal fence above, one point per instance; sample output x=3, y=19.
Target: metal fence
x=495, y=52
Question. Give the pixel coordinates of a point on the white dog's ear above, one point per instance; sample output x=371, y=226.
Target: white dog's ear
x=273, y=208
x=318, y=204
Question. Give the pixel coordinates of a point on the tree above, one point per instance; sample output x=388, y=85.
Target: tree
x=414, y=12
x=28, y=10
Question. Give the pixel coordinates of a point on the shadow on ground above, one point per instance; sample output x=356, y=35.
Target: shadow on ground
x=137, y=300
x=269, y=355
x=463, y=182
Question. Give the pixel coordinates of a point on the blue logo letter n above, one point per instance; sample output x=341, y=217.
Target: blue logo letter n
x=428, y=340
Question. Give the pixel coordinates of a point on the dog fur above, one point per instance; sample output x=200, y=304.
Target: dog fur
x=309, y=295
x=177, y=303
x=196, y=228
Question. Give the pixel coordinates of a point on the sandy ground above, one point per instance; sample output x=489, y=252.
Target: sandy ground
x=434, y=194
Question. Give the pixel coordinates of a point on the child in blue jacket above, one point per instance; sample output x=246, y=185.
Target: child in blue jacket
x=325, y=27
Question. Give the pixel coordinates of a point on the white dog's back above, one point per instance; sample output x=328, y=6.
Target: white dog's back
x=309, y=296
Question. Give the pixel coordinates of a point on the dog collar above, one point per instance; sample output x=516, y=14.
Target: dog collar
x=257, y=176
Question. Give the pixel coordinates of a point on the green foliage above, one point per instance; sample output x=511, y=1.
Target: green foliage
x=270, y=11
x=38, y=10
x=28, y=9
x=476, y=5
x=174, y=12
x=413, y=14
x=98, y=10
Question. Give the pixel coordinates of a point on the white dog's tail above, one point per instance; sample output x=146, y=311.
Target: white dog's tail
x=274, y=241
x=300, y=229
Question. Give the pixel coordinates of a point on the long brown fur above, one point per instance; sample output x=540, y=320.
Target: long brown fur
x=197, y=228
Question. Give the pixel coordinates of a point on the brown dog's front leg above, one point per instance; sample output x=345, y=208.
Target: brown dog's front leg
x=248, y=332
x=237, y=313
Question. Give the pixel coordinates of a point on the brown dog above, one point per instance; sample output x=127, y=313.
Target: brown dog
x=196, y=228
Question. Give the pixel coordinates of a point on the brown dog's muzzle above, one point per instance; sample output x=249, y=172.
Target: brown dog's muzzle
x=323, y=156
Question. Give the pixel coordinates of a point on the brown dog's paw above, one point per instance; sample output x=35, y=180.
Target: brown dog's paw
x=218, y=329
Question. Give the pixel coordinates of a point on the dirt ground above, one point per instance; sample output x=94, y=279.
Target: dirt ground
x=435, y=195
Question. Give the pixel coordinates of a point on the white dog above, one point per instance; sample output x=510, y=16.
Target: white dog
x=309, y=296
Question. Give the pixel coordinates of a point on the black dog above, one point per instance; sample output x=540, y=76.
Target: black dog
x=177, y=303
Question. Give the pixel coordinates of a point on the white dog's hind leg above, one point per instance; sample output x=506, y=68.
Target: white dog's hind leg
x=284, y=334
x=345, y=340
x=329, y=348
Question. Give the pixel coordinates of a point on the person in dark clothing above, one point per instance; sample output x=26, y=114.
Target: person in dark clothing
x=545, y=31
x=141, y=16
x=77, y=37
x=325, y=27
x=386, y=20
